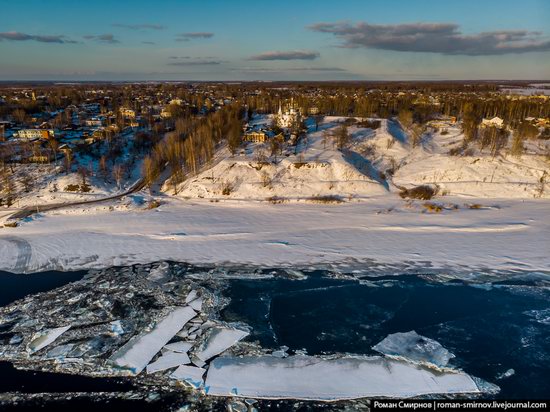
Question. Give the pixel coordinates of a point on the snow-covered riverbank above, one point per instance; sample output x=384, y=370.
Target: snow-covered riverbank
x=467, y=235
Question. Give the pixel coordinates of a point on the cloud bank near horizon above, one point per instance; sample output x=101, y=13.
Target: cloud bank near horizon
x=286, y=55
x=443, y=38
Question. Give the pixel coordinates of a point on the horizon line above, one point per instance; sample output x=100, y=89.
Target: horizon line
x=272, y=81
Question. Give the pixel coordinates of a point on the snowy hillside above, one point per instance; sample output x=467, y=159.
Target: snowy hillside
x=477, y=174
x=315, y=169
x=52, y=185
x=376, y=162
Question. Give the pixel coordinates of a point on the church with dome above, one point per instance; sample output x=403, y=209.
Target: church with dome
x=289, y=117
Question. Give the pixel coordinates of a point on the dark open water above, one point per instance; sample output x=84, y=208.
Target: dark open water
x=490, y=328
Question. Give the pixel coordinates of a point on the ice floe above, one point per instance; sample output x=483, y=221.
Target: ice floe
x=314, y=378
x=191, y=296
x=189, y=374
x=167, y=361
x=218, y=340
x=181, y=346
x=196, y=304
x=139, y=351
x=43, y=339
x=414, y=347
x=117, y=328
x=507, y=374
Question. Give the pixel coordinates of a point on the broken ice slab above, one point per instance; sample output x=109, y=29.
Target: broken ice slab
x=507, y=374
x=414, y=347
x=44, y=338
x=189, y=374
x=196, y=304
x=160, y=272
x=313, y=378
x=138, y=352
x=197, y=362
x=181, y=347
x=116, y=327
x=60, y=352
x=167, y=361
x=218, y=340
x=281, y=352
x=191, y=296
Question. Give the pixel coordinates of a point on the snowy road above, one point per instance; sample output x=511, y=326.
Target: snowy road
x=30, y=210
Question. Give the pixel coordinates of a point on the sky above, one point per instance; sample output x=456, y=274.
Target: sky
x=233, y=40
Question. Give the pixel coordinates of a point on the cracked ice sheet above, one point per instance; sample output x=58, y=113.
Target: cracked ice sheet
x=167, y=361
x=46, y=337
x=139, y=351
x=311, y=378
x=220, y=339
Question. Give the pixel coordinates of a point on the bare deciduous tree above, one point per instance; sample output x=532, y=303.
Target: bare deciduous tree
x=83, y=172
x=118, y=174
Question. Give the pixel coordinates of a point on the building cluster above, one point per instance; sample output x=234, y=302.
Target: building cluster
x=285, y=125
x=81, y=115
x=100, y=112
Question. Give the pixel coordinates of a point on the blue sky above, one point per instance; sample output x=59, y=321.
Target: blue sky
x=274, y=40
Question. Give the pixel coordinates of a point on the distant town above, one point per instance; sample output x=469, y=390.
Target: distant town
x=108, y=136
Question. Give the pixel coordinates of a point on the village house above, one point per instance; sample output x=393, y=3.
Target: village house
x=33, y=134
x=494, y=122
x=165, y=113
x=261, y=136
x=255, y=136
x=94, y=122
x=39, y=158
x=91, y=107
x=539, y=122
x=127, y=113
x=65, y=149
x=441, y=122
